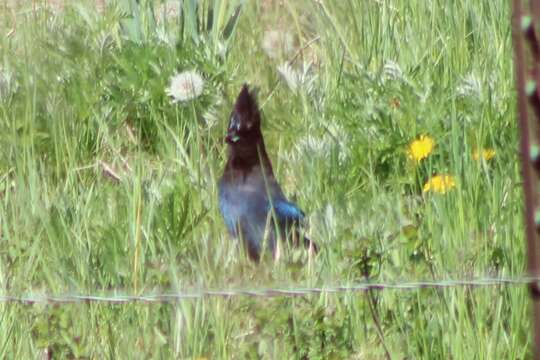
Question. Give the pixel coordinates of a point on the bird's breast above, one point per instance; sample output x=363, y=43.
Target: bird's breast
x=239, y=201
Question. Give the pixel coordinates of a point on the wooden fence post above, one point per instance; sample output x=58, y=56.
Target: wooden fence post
x=527, y=72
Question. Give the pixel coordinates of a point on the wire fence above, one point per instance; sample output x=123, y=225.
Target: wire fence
x=172, y=297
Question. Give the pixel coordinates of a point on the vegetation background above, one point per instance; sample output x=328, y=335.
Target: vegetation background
x=391, y=123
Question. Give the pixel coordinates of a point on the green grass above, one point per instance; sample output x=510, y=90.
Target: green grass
x=79, y=90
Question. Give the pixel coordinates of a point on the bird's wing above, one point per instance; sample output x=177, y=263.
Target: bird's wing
x=289, y=214
x=287, y=211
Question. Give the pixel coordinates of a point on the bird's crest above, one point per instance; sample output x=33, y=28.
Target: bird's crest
x=245, y=115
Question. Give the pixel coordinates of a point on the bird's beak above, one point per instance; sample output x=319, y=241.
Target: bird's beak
x=232, y=138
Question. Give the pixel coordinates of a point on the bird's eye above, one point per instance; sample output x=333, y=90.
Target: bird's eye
x=234, y=123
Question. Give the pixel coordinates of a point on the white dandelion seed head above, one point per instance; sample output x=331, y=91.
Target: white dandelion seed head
x=169, y=9
x=158, y=189
x=211, y=118
x=185, y=86
x=55, y=6
x=392, y=70
x=316, y=146
x=338, y=131
x=290, y=75
x=277, y=43
x=4, y=84
x=296, y=78
x=334, y=141
x=470, y=86
x=7, y=83
x=340, y=137
x=212, y=115
x=101, y=6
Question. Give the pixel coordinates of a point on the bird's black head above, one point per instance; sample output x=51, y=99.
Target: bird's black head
x=245, y=122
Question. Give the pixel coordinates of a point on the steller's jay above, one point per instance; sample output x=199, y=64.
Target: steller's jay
x=250, y=198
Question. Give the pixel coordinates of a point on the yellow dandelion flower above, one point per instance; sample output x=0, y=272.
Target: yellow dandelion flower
x=487, y=154
x=440, y=184
x=420, y=148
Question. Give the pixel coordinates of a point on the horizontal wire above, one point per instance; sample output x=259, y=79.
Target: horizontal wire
x=115, y=298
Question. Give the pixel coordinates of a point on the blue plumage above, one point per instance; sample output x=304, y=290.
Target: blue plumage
x=251, y=201
x=287, y=211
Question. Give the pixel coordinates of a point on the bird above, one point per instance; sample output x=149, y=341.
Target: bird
x=251, y=201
